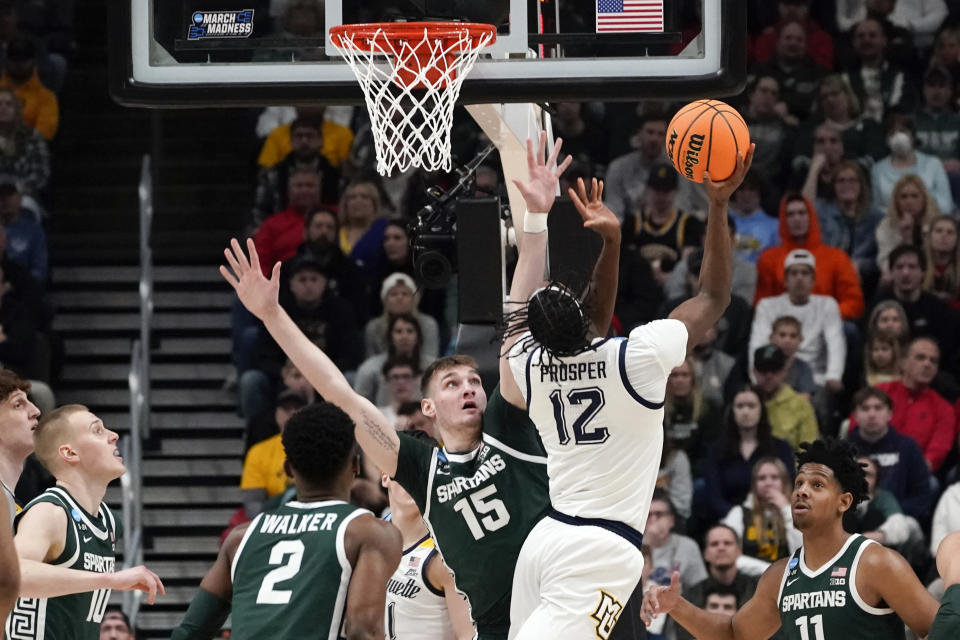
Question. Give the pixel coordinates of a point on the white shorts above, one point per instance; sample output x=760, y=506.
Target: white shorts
x=572, y=581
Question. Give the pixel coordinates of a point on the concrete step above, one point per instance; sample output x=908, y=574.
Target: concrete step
x=192, y=468
x=199, y=447
x=155, y=622
x=104, y=274
x=182, y=495
x=180, y=569
x=187, y=545
x=131, y=299
x=158, y=372
x=212, y=420
x=169, y=320
x=187, y=517
x=180, y=398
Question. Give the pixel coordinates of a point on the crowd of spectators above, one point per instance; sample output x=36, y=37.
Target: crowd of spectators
x=846, y=280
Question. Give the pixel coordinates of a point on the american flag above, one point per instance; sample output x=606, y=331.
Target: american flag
x=839, y=572
x=629, y=16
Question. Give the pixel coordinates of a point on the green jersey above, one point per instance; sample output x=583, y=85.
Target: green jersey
x=290, y=573
x=90, y=545
x=946, y=626
x=481, y=505
x=820, y=604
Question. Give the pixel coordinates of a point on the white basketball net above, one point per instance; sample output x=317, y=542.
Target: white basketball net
x=411, y=85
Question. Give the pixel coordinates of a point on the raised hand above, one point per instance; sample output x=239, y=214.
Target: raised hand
x=541, y=189
x=659, y=600
x=721, y=191
x=258, y=294
x=138, y=579
x=596, y=215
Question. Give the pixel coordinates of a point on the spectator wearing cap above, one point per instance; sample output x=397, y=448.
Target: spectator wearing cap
x=836, y=275
x=823, y=346
x=918, y=411
x=798, y=74
x=272, y=194
x=733, y=328
x=40, y=108
x=755, y=229
x=927, y=314
x=116, y=626
x=660, y=226
x=320, y=244
x=879, y=82
x=324, y=318
x=627, y=175
x=399, y=295
x=791, y=415
x=263, y=476
x=279, y=236
x=819, y=42
x=903, y=471
x=26, y=240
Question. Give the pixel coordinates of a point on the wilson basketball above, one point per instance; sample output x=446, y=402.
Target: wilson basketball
x=706, y=135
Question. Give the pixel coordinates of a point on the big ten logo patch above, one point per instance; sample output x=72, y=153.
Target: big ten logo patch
x=607, y=613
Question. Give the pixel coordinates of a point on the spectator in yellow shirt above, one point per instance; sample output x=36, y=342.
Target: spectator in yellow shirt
x=337, y=140
x=40, y=109
x=263, y=476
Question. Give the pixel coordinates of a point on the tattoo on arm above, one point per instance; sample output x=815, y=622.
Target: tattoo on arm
x=376, y=431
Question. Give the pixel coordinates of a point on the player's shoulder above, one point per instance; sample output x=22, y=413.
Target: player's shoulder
x=879, y=561
x=656, y=329
x=769, y=583
x=366, y=531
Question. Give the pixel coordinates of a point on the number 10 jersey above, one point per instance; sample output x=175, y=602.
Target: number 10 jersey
x=600, y=416
x=290, y=573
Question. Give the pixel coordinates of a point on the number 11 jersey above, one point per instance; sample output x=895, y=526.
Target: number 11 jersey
x=600, y=416
x=290, y=572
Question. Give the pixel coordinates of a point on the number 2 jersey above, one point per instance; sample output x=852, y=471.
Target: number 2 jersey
x=480, y=505
x=290, y=572
x=600, y=417
x=90, y=545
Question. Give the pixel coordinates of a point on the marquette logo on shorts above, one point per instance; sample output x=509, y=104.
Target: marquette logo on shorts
x=220, y=24
x=607, y=613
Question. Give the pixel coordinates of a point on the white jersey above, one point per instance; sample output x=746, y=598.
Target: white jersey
x=600, y=416
x=415, y=608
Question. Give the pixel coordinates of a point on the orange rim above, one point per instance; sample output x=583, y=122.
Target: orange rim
x=402, y=31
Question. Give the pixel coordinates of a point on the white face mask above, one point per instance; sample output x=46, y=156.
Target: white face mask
x=900, y=143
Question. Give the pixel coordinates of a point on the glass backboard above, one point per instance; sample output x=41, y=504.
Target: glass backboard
x=259, y=52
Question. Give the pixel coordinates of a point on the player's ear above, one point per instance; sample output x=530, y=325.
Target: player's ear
x=846, y=501
x=67, y=453
x=428, y=408
x=288, y=468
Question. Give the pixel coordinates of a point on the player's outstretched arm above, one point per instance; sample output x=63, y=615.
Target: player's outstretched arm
x=702, y=311
x=538, y=195
x=9, y=567
x=884, y=575
x=259, y=295
x=600, y=219
x=758, y=618
x=210, y=606
x=457, y=610
x=374, y=549
x=41, y=537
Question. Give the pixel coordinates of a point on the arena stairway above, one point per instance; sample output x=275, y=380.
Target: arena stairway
x=204, y=163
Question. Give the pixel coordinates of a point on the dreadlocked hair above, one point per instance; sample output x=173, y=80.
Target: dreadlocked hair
x=841, y=457
x=555, y=318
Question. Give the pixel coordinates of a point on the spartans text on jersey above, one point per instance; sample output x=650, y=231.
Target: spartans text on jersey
x=814, y=600
x=459, y=484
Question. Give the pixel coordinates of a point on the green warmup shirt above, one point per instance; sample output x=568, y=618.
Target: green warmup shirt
x=946, y=626
x=480, y=505
x=90, y=545
x=825, y=604
x=290, y=573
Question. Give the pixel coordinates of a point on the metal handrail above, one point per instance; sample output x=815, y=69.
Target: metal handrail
x=139, y=384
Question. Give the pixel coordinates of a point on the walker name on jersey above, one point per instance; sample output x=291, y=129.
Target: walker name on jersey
x=814, y=600
x=408, y=589
x=458, y=485
x=297, y=523
x=97, y=564
x=562, y=372
x=220, y=24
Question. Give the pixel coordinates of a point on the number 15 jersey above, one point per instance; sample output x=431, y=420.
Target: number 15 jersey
x=600, y=417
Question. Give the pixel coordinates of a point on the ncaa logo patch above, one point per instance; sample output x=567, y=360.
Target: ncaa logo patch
x=793, y=563
x=220, y=24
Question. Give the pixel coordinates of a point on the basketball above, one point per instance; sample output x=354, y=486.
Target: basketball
x=706, y=135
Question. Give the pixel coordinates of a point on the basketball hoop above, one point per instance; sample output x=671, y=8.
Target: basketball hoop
x=411, y=74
